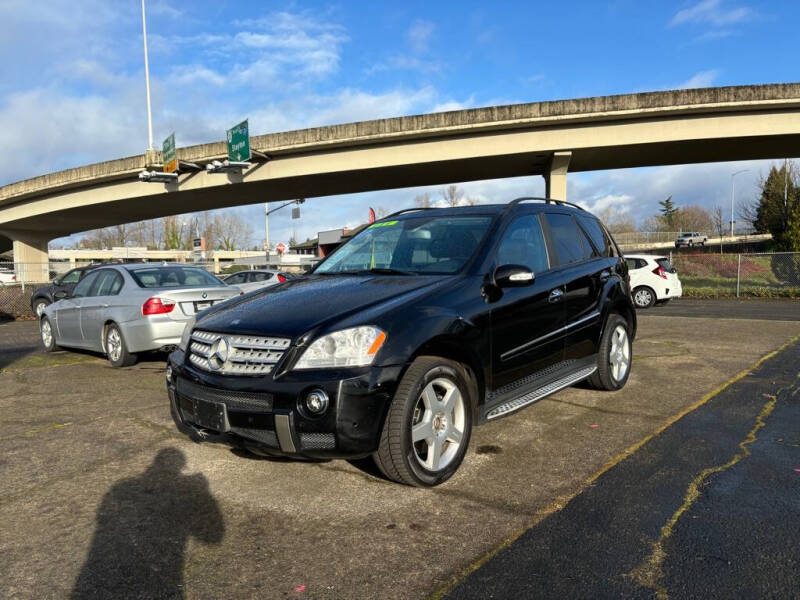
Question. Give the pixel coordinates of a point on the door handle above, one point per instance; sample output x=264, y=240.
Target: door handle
x=555, y=295
x=605, y=275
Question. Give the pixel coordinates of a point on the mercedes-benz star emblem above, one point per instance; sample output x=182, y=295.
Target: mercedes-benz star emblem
x=220, y=351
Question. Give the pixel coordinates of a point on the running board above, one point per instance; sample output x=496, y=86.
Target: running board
x=531, y=397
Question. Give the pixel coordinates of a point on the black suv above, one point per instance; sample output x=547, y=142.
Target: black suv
x=60, y=287
x=424, y=324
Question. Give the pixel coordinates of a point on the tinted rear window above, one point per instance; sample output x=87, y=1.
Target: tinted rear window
x=596, y=234
x=566, y=238
x=165, y=277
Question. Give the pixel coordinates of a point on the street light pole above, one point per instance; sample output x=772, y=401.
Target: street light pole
x=147, y=83
x=733, y=192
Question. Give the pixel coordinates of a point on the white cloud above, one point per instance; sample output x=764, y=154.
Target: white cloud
x=711, y=12
x=699, y=80
x=419, y=35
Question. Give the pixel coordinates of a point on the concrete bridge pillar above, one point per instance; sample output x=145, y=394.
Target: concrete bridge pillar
x=555, y=178
x=31, y=261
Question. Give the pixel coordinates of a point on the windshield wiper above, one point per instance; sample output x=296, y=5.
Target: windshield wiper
x=386, y=271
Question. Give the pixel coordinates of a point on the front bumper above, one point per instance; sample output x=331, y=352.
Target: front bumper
x=270, y=415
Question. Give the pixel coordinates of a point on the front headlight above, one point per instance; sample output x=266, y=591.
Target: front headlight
x=354, y=347
x=187, y=333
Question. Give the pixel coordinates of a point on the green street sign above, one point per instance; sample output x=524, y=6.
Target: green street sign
x=170, y=157
x=239, y=142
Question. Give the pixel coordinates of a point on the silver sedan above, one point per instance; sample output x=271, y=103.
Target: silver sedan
x=121, y=310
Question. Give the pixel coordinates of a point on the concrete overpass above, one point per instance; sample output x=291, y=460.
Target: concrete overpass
x=544, y=138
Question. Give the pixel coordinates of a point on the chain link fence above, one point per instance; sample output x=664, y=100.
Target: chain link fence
x=768, y=275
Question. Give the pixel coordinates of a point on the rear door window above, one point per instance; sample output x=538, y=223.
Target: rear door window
x=259, y=276
x=632, y=263
x=566, y=238
x=595, y=231
x=237, y=278
x=103, y=283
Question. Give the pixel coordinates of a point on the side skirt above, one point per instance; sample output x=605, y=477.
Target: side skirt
x=525, y=399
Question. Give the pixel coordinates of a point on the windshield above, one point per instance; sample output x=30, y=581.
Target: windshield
x=163, y=277
x=424, y=244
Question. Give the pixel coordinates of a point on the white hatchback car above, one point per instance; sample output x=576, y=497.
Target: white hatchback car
x=653, y=279
x=249, y=281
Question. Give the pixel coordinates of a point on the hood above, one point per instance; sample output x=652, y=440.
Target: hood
x=300, y=305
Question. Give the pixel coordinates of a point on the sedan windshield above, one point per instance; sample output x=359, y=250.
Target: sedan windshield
x=424, y=244
x=165, y=277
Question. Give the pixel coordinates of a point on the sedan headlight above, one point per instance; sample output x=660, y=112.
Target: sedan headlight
x=187, y=333
x=355, y=347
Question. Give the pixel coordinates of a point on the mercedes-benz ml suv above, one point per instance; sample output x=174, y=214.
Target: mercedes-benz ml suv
x=425, y=324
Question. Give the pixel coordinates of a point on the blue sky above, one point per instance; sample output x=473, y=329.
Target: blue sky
x=72, y=90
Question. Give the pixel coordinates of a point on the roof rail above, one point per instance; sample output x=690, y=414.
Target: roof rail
x=405, y=210
x=547, y=200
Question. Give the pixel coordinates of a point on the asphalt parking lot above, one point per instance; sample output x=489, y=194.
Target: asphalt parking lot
x=583, y=494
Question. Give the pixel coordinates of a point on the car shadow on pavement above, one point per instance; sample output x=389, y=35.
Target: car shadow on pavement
x=143, y=526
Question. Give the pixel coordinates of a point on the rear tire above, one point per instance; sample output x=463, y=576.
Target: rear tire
x=116, y=349
x=615, y=357
x=644, y=297
x=47, y=335
x=427, y=429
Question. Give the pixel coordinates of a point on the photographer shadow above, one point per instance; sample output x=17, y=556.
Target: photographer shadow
x=143, y=526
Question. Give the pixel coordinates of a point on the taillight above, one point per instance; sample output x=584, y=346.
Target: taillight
x=281, y=278
x=157, y=306
x=660, y=272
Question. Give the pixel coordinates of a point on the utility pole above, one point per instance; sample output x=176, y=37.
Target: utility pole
x=266, y=230
x=147, y=83
x=733, y=188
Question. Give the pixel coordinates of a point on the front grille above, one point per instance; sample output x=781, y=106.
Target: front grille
x=265, y=436
x=233, y=354
x=249, y=401
x=317, y=441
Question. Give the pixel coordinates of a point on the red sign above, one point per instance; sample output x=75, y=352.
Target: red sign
x=281, y=247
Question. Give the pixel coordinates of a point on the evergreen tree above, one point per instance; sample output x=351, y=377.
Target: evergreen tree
x=779, y=199
x=668, y=212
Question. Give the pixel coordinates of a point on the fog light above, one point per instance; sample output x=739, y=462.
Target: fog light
x=169, y=372
x=316, y=402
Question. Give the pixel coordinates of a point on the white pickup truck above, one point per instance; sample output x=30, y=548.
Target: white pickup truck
x=690, y=239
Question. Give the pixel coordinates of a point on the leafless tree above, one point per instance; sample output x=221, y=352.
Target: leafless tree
x=452, y=195
x=423, y=200
x=719, y=224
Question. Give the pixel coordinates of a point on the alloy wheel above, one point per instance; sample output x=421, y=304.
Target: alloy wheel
x=40, y=309
x=620, y=353
x=47, y=333
x=437, y=427
x=114, y=344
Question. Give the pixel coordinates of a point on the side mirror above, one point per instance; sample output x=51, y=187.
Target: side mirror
x=513, y=276
x=60, y=295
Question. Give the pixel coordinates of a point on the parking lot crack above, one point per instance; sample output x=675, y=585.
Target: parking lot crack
x=650, y=573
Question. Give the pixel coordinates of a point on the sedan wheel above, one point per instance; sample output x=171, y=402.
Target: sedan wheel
x=116, y=349
x=46, y=332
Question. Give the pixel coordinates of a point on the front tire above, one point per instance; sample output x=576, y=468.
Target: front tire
x=38, y=308
x=116, y=349
x=615, y=357
x=644, y=297
x=427, y=430
x=47, y=335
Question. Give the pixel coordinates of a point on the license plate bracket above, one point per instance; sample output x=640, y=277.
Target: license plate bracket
x=211, y=415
